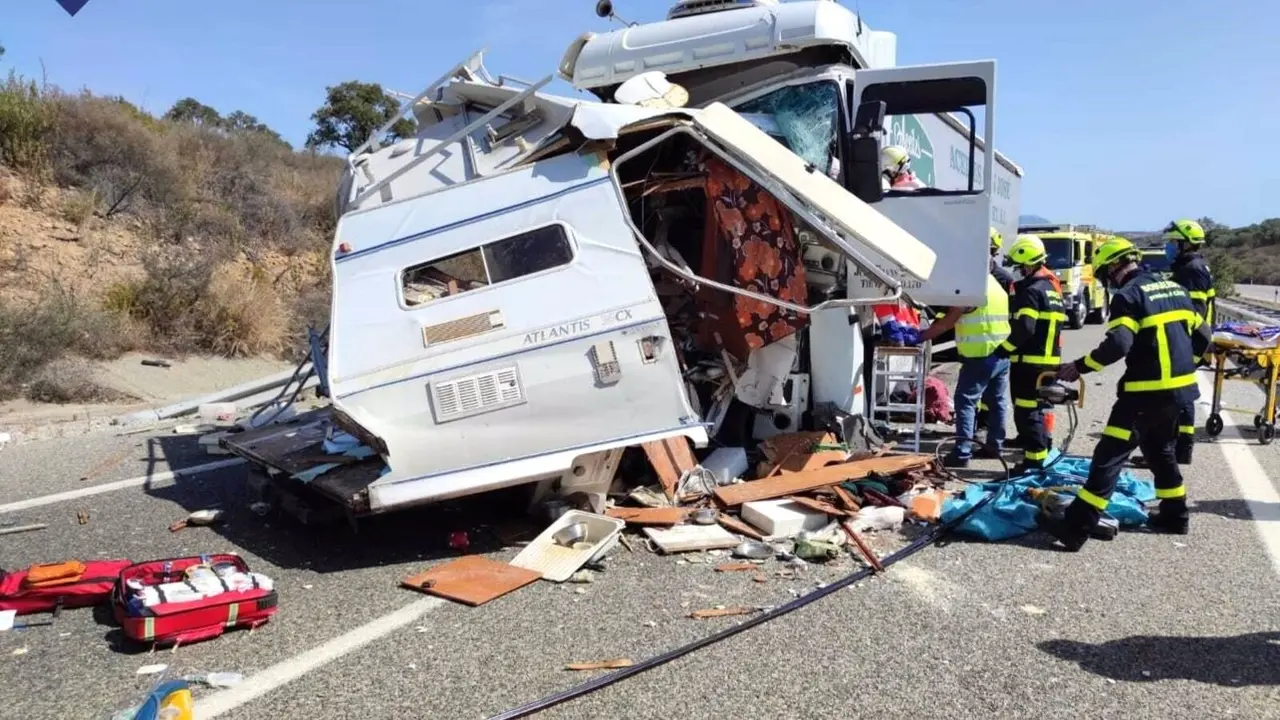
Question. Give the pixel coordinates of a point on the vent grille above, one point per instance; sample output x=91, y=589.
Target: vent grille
x=475, y=394
x=466, y=327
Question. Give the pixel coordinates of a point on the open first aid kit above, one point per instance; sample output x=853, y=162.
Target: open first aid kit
x=68, y=584
x=184, y=600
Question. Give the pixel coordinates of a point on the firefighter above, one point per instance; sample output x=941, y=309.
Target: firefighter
x=1154, y=326
x=978, y=332
x=1034, y=346
x=1006, y=280
x=1191, y=272
x=895, y=169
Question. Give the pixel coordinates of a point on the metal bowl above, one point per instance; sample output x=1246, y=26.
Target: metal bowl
x=569, y=535
x=754, y=550
x=704, y=516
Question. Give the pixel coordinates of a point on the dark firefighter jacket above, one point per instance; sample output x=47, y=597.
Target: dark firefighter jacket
x=1192, y=272
x=1158, y=332
x=1036, y=316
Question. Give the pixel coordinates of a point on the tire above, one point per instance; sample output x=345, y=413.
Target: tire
x=1257, y=420
x=1076, y=319
x=1100, y=315
x=1213, y=426
x=1266, y=433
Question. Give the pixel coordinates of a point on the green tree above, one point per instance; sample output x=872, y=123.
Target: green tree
x=193, y=111
x=351, y=113
x=242, y=122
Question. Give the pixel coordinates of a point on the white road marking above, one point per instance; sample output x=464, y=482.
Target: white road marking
x=1256, y=489
x=117, y=485
x=295, y=667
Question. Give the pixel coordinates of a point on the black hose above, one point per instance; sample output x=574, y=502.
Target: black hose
x=606, y=680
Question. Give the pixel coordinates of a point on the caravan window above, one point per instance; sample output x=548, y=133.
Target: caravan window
x=497, y=262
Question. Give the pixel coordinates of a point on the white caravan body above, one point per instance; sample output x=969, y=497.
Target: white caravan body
x=494, y=319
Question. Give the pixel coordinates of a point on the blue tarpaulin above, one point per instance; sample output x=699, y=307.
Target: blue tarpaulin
x=1013, y=511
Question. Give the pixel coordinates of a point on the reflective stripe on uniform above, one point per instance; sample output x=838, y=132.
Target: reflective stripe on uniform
x=1091, y=363
x=1118, y=433
x=1024, y=403
x=1167, y=381
x=1123, y=322
x=1171, y=493
x=1036, y=454
x=980, y=331
x=1187, y=429
x=1098, y=502
x=1172, y=383
x=1038, y=360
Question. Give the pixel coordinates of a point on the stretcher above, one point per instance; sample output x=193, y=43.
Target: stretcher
x=1254, y=354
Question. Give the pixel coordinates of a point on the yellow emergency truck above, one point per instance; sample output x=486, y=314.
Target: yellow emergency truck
x=1070, y=249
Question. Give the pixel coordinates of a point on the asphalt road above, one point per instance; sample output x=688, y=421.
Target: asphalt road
x=1145, y=626
x=1270, y=293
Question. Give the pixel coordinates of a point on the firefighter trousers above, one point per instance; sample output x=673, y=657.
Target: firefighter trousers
x=1150, y=423
x=1186, y=431
x=1028, y=414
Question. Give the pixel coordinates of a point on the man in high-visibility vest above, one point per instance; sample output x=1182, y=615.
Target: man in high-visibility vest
x=1034, y=346
x=978, y=332
x=1156, y=330
x=1189, y=270
x=1006, y=280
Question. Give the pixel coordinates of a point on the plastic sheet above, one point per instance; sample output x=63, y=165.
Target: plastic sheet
x=1249, y=336
x=1013, y=512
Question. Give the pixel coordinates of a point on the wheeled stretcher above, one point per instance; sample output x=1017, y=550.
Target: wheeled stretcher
x=1254, y=354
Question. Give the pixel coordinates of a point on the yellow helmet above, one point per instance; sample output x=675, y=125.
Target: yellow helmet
x=1026, y=250
x=997, y=240
x=1188, y=230
x=894, y=159
x=1112, y=251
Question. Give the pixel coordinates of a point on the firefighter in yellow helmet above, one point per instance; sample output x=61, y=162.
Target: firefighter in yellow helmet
x=1154, y=326
x=1189, y=270
x=895, y=169
x=1033, y=347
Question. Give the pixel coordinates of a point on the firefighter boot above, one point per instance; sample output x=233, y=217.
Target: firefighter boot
x=1171, y=517
x=1073, y=527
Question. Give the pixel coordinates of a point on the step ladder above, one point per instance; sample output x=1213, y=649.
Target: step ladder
x=891, y=365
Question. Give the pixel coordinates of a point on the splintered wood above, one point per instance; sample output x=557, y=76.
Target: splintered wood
x=799, y=482
x=794, y=452
x=471, y=580
x=649, y=516
x=671, y=459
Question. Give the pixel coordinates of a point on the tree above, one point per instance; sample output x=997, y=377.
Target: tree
x=242, y=122
x=351, y=113
x=193, y=111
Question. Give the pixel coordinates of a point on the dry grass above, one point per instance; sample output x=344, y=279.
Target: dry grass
x=232, y=234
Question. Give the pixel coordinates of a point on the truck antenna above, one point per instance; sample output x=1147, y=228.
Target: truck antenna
x=604, y=9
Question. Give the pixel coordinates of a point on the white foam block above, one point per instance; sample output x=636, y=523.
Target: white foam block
x=782, y=518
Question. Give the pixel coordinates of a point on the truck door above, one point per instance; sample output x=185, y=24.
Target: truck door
x=938, y=113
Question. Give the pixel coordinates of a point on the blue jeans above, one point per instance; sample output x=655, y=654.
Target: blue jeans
x=979, y=377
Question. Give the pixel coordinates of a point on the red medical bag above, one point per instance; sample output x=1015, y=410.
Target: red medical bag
x=69, y=584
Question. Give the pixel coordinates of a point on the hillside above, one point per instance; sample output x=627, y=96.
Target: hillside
x=121, y=231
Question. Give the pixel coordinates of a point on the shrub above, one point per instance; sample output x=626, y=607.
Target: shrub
x=27, y=120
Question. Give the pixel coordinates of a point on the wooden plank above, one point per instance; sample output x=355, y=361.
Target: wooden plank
x=737, y=567
x=614, y=664
x=817, y=505
x=472, y=580
x=781, y=485
x=722, y=612
x=664, y=465
x=649, y=516
x=733, y=524
x=846, y=498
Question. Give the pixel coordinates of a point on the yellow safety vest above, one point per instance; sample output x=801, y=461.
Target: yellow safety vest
x=979, y=331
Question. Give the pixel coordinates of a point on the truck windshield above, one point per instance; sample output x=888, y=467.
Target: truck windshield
x=1059, y=253
x=803, y=117
x=1155, y=260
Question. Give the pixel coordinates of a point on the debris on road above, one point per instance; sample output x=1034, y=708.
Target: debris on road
x=22, y=528
x=614, y=664
x=157, y=363
x=723, y=612
x=199, y=518
x=82, y=517
x=472, y=580
x=151, y=669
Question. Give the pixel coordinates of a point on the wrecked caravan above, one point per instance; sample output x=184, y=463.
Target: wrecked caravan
x=533, y=284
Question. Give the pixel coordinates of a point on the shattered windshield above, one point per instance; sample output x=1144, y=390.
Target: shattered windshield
x=802, y=117
x=1059, y=253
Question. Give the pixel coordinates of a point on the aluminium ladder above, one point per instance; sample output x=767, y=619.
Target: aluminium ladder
x=890, y=365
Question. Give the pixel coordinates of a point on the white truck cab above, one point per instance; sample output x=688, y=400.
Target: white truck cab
x=804, y=71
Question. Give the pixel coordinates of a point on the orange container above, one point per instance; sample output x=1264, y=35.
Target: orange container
x=1048, y=422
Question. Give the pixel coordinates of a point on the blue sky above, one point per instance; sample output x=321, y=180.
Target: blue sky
x=1123, y=113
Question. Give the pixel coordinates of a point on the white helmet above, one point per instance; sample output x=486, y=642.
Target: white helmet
x=894, y=159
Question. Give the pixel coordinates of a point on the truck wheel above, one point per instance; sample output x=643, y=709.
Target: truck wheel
x=1076, y=320
x=1099, y=315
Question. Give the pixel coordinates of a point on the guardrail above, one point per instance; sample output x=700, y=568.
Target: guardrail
x=1235, y=310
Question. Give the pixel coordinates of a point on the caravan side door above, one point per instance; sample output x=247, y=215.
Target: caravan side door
x=939, y=114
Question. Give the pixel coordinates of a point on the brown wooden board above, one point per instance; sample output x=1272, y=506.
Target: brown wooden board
x=670, y=459
x=471, y=580
x=790, y=484
x=649, y=516
x=817, y=505
x=733, y=524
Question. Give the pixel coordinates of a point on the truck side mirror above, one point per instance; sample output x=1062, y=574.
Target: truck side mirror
x=864, y=152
